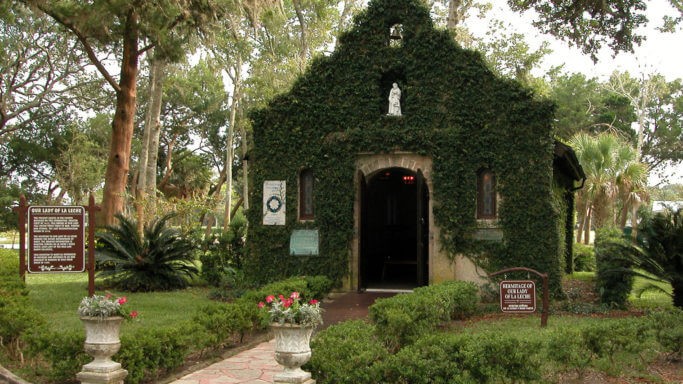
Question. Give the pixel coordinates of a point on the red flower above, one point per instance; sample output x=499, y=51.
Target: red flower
x=281, y=297
x=313, y=302
x=123, y=300
x=134, y=314
x=294, y=295
x=269, y=299
x=261, y=304
x=287, y=303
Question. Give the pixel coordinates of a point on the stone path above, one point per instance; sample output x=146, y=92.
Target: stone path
x=258, y=366
x=253, y=366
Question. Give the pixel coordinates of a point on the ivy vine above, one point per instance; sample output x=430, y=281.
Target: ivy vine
x=454, y=110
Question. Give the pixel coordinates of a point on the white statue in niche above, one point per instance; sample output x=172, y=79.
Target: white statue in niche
x=394, y=101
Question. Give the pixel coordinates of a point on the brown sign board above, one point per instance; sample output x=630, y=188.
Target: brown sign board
x=56, y=239
x=518, y=296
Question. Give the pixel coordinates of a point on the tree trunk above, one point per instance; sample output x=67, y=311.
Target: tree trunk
x=587, y=226
x=150, y=143
x=245, y=169
x=229, y=140
x=116, y=176
x=677, y=285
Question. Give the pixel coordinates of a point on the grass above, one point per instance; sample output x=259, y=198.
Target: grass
x=57, y=296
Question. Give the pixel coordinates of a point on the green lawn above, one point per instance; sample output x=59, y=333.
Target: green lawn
x=58, y=296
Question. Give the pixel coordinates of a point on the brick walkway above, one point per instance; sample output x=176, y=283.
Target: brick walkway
x=258, y=366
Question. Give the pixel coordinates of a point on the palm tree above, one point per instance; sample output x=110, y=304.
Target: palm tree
x=612, y=175
x=659, y=252
x=159, y=259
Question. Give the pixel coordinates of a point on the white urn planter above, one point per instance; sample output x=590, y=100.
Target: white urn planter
x=102, y=342
x=292, y=350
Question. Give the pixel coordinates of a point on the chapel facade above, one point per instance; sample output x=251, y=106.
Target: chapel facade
x=401, y=160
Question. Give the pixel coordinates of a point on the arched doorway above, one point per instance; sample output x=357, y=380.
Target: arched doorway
x=394, y=246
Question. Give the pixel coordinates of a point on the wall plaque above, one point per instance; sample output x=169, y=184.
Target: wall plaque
x=274, y=193
x=303, y=242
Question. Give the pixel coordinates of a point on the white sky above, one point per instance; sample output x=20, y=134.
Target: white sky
x=660, y=53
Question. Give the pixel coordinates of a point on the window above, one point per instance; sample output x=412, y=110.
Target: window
x=306, y=211
x=396, y=36
x=486, y=195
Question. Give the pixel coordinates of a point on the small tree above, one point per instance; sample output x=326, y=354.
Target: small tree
x=659, y=252
x=159, y=260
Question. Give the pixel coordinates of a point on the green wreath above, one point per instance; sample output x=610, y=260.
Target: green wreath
x=270, y=200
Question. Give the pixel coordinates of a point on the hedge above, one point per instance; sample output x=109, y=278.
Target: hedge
x=147, y=354
x=402, y=318
x=352, y=352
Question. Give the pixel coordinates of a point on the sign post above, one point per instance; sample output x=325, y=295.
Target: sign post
x=57, y=239
x=518, y=296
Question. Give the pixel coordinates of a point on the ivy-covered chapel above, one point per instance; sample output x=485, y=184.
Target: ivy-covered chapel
x=401, y=160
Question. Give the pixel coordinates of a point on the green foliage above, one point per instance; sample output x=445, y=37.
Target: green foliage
x=222, y=254
x=455, y=111
x=347, y=353
x=161, y=259
x=402, y=318
x=584, y=258
x=222, y=322
x=150, y=353
x=63, y=352
x=17, y=316
x=667, y=327
x=660, y=251
x=613, y=279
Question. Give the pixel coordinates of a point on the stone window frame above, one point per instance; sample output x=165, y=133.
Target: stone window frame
x=306, y=179
x=481, y=179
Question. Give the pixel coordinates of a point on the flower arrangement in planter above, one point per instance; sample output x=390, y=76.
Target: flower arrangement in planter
x=105, y=306
x=292, y=324
x=290, y=310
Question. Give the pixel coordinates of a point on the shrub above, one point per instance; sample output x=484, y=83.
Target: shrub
x=222, y=254
x=62, y=350
x=150, y=353
x=660, y=252
x=432, y=359
x=223, y=322
x=613, y=279
x=161, y=259
x=464, y=358
x=347, y=353
x=402, y=318
x=584, y=258
x=667, y=327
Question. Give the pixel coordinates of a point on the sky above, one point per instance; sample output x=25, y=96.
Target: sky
x=660, y=53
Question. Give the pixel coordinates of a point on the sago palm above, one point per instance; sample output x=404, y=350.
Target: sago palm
x=659, y=253
x=160, y=259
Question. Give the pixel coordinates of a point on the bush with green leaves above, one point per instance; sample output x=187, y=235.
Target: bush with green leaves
x=160, y=259
x=667, y=327
x=17, y=316
x=347, y=353
x=402, y=318
x=584, y=258
x=614, y=279
x=222, y=254
x=659, y=253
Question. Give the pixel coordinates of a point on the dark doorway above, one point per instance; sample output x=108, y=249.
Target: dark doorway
x=394, y=228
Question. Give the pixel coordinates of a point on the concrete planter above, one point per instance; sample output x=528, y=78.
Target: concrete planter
x=292, y=350
x=102, y=342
